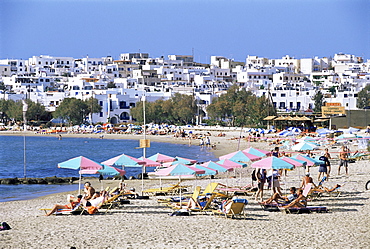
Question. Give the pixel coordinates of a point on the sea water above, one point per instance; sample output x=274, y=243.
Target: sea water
x=38, y=156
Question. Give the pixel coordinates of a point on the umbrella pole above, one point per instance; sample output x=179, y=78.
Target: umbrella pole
x=79, y=184
x=180, y=192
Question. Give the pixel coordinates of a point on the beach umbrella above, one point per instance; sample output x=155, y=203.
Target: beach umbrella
x=217, y=166
x=107, y=170
x=310, y=161
x=161, y=158
x=83, y=164
x=240, y=156
x=111, y=171
x=323, y=131
x=272, y=163
x=231, y=163
x=179, y=170
x=304, y=146
x=346, y=136
x=124, y=161
x=185, y=160
x=208, y=171
x=257, y=152
x=293, y=161
x=149, y=163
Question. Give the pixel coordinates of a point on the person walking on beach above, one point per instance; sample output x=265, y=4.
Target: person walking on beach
x=324, y=169
x=343, y=157
x=261, y=178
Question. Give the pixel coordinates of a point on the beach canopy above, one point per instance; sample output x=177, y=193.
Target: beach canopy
x=81, y=163
x=346, y=136
x=304, y=146
x=231, y=163
x=150, y=163
x=208, y=171
x=310, y=161
x=179, y=170
x=240, y=156
x=272, y=163
x=161, y=158
x=256, y=152
x=124, y=161
x=295, y=162
x=217, y=166
x=185, y=160
x=324, y=131
x=110, y=171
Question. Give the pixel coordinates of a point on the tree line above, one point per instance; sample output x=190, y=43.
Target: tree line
x=237, y=107
x=73, y=111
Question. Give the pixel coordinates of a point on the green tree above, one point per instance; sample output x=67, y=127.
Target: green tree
x=75, y=110
x=318, y=101
x=179, y=109
x=240, y=107
x=363, y=98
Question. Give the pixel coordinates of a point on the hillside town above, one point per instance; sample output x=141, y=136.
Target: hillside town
x=118, y=84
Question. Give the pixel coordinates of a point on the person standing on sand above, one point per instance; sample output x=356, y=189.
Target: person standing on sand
x=343, y=157
x=261, y=178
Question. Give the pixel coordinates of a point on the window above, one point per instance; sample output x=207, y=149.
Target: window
x=101, y=114
x=283, y=95
x=273, y=94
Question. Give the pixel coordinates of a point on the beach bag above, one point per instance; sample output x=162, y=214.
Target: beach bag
x=4, y=226
x=92, y=210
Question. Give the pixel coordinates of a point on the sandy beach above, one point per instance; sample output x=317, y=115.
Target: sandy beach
x=145, y=223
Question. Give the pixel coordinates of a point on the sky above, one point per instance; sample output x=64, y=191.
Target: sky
x=229, y=28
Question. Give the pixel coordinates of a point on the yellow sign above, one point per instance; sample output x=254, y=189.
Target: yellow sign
x=144, y=143
x=333, y=104
x=327, y=110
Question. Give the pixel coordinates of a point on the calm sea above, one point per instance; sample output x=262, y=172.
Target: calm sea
x=44, y=153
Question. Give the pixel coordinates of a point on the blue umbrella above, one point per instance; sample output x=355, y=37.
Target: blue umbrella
x=208, y=171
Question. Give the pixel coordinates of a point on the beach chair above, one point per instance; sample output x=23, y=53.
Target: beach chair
x=235, y=210
x=171, y=200
x=164, y=190
x=307, y=209
x=77, y=210
x=206, y=208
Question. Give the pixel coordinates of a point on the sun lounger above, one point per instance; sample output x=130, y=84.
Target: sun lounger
x=304, y=210
x=77, y=210
x=236, y=209
x=164, y=190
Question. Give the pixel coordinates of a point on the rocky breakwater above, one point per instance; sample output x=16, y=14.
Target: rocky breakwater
x=45, y=180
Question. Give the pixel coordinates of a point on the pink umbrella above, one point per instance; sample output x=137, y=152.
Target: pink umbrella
x=259, y=151
x=124, y=161
x=161, y=158
x=292, y=161
x=186, y=159
x=150, y=163
x=302, y=158
x=241, y=156
x=231, y=163
x=217, y=166
x=272, y=163
x=83, y=164
x=179, y=170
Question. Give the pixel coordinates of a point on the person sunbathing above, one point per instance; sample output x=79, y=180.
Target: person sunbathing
x=71, y=205
x=322, y=189
x=278, y=198
x=300, y=201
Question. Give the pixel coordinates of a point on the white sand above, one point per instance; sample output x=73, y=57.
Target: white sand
x=144, y=223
